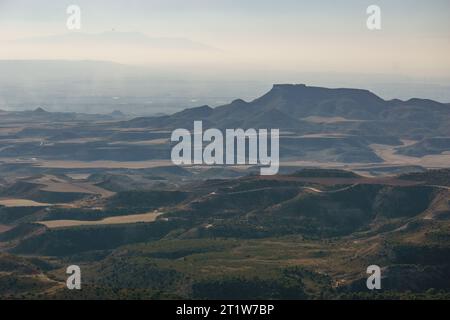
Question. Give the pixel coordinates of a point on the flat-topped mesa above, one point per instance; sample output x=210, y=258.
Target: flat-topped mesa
x=300, y=101
x=288, y=86
x=298, y=93
x=291, y=106
x=302, y=88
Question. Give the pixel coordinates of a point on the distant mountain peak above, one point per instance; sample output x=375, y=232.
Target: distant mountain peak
x=202, y=111
x=117, y=113
x=40, y=110
x=238, y=102
x=291, y=107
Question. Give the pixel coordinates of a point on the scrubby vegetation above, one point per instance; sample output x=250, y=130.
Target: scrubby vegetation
x=246, y=238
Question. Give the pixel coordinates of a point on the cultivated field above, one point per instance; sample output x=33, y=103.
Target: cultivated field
x=146, y=217
x=11, y=203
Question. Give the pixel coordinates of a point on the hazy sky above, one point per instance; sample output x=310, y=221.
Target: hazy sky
x=247, y=35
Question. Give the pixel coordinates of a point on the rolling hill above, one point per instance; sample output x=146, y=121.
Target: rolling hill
x=309, y=235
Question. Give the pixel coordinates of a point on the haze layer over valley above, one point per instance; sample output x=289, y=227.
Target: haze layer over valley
x=358, y=97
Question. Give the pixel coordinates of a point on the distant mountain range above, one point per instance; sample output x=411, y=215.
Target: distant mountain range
x=333, y=124
x=117, y=38
x=93, y=86
x=316, y=125
x=306, y=109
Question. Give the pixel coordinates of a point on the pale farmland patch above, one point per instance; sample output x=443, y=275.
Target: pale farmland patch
x=11, y=203
x=77, y=187
x=329, y=120
x=63, y=164
x=55, y=184
x=142, y=143
x=78, y=176
x=136, y=218
x=4, y=228
x=389, y=155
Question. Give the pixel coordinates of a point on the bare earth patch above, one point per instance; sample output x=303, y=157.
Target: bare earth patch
x=142, y=143
x=4, y=228
x=389, y=155
x=328, y=120
x=11, y=203
x=62, y=164
x=78, y=176
x=55, y=184
x=146, y=217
